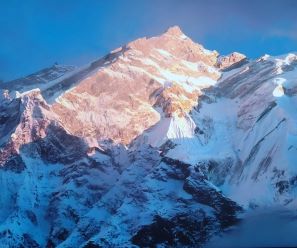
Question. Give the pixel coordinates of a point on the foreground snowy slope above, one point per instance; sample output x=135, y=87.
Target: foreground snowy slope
x=245, y=135
x=161, y=142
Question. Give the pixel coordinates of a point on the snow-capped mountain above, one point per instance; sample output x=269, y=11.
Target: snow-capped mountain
x=159, y=143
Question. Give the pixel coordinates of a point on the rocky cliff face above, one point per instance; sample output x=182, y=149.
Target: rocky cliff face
x=161, y=142
x=230, y=61
x=166, y=71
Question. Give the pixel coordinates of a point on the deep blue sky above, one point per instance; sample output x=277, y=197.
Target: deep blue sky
x=35, y=34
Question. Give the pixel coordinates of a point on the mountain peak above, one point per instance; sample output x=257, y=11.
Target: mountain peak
x=174, y=31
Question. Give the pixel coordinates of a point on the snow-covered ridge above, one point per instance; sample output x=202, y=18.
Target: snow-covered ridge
x=39, y=79
x=256, y=133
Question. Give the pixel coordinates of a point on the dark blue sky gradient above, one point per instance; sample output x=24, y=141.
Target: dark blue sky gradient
x=35, y=34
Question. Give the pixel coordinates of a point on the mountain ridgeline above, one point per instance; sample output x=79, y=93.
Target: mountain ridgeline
x=161, y=143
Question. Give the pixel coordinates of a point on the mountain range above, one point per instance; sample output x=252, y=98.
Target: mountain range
x=160, y=143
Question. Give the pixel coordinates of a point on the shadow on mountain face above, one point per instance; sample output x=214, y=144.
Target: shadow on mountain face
x=187, y=228
x=55, y=169
x=10, y=114
x=183, y=228
x=57, y=146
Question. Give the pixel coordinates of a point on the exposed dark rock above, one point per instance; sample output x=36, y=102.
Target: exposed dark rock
x=266, y=111
x=226, y=209
x=32, y=217
x=14, y=163
x=62, y=234
x=167, y=146
x=282, y=186
x=29, y=242
x=183, y=230
x=91, y=244
x=178, y=169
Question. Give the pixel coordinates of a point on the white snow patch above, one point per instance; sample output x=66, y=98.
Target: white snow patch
x=278, y=91
x=164, y=53
x=208, y=52
x=170, y=128
x=284, y=60
x=264, y=58
x=188, y=83
x=183, y=37
x=200, y=66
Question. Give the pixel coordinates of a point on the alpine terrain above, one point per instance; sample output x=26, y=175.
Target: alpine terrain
x=161, y=143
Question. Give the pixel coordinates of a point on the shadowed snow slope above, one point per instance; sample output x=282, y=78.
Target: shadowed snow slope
x=159, y=143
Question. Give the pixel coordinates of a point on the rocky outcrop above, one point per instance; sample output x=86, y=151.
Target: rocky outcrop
x=231, y=61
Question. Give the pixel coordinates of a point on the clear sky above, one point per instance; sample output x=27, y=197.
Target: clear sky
x=37, y=33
